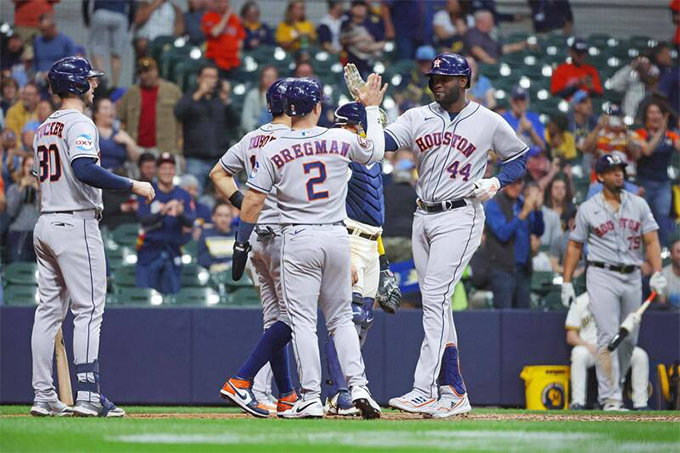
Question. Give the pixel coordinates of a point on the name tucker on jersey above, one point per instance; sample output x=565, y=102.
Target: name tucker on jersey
x=450, y=139
x=53, y=128
x=310, y=149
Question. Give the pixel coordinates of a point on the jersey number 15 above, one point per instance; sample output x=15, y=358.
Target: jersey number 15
x=49, y=163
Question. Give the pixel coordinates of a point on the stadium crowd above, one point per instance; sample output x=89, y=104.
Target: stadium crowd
x=199, y=85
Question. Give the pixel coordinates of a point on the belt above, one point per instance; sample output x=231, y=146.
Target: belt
x=314, y=224
x=622, y=269
x=361, y=234
x=447, y=205
x=97, y=213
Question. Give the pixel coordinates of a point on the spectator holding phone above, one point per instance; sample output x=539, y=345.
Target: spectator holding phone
x=23, y=207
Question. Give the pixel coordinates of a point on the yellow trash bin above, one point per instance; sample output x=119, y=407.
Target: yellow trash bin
x=546, y=387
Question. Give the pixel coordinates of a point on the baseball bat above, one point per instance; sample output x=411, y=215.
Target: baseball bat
x=627, y=326
x=63, y=375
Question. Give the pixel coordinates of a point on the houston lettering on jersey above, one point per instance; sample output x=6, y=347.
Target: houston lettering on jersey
x=53, y=128
x=310, y=149
x=624, y=224
x=450, y=139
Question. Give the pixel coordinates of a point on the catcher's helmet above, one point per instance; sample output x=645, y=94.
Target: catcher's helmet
x=276, y=93
x=608, y=161
x=353, y=113
x=70, y=74
x=302, y=95
x=450, y=64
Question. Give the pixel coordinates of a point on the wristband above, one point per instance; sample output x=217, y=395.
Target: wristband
x=384, y=264
x=236, y=199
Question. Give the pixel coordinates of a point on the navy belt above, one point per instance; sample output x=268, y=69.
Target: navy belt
x=622, y=269
x=447, y=205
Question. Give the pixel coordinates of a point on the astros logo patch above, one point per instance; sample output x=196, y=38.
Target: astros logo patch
x=84, y=142
x=364, y=143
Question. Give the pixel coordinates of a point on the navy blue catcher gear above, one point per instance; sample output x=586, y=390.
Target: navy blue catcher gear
x=450, y=64
x=276, y=93
x=608, y=161
x=353, y=113
x=70, y=74
x=302, y=95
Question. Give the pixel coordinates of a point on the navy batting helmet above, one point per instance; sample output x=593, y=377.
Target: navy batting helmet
x=70, y=74
x=302, y=95
x=353, y=113
x=276, y=93
x=450, y=64
x=608, y=161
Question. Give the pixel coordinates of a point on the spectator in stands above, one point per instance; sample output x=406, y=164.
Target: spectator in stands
x=550, y=16
x=207, y=116
x=526, y=123
x=193, y=21
x=560, y=141
x=569, y=77
x=116, y=146
x=510, y=221
x=154, y=19
x=224, y=34
x=661, y=57
x=43, y=111
x=215, y=246
x=657, y=145
x=613, y=135
x=15, y=57
x=327, y=119
x=303, y=69
x=672, y=273
x=24, y=110
x=362, y=37
x=190, y=183
x=50, y=46
x=23, y=208
x=295, y=32
x=400, y=201
x=669, y=88
x=450, y=26
x=257, y=33
x=147, y=167
x=119, y=206
x=674, y=6
x=481, y=90
x=255, y=104
x=557, y=209
x=10, y=90
x=27, y=15
x=11, y=156
x=146, y=110
x=635, y=80
x=109, y=30
x=415, y=90
x=583, y=122
x=409, y=24
x=329, y=27
x=159, y=260
x=481, y=43
x=539, y=168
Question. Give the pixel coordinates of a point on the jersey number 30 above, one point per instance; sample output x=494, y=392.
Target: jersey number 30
x=49, y=162
x=311, y=193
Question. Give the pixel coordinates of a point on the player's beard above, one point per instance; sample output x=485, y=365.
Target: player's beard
x=449, y=98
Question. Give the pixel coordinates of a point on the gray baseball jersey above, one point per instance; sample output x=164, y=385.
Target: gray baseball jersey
x=452, y=154
x=243, y=155
x=614, y=237
x=308, y=168
x=65, y=136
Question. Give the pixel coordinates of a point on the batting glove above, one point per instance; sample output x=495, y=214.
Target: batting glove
x=568, y=294
x=389, y=294
x=485, y=189
x=239, y=259
x=658, y=282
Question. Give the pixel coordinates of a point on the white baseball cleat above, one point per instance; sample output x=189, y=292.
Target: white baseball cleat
x=450, y=404
x=340, y=404
x=305, y=409
x=363, y=401
x=415, y=402
x=49, y=409
x=613, y=405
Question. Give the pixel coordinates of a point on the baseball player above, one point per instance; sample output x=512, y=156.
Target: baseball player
x=308, y=167
x=365, y=216
x=615, y=224
x=582, y=335
x=451, y=139
x=68, y=245
x=266, y=260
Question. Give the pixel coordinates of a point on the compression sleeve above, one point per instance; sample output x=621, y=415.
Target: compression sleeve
x=375, y=132
x=390, y=144
x=512, y=171
x=245, y=229
x=88, y=172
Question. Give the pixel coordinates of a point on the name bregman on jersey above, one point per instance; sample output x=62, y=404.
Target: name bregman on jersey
x=450, y=139
x=310, y=149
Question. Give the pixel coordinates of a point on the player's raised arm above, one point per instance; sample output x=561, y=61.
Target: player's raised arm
x=371, y=97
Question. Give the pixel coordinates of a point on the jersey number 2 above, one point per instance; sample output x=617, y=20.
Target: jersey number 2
x=49, y=162
x=311, y=193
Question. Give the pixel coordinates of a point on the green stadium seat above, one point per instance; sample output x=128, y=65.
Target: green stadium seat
x=489, y=70
x=196, y=296
x=159, y=45
x=245, y=297
x=21, y=273
x=193, y=275
x=136, y=296
x=126, y=234
x=124, y=277
x=222, y=281
x=542, y=282
x=22, y=295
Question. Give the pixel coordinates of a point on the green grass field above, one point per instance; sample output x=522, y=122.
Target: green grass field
x=190, y=429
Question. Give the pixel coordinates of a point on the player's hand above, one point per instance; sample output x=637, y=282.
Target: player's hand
x=353, y=80
x=389, y=294
x=373, y=93
x=658, y=282
x=568, y=294
x=239, y=259
x=143, y=189
x=485, y=189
